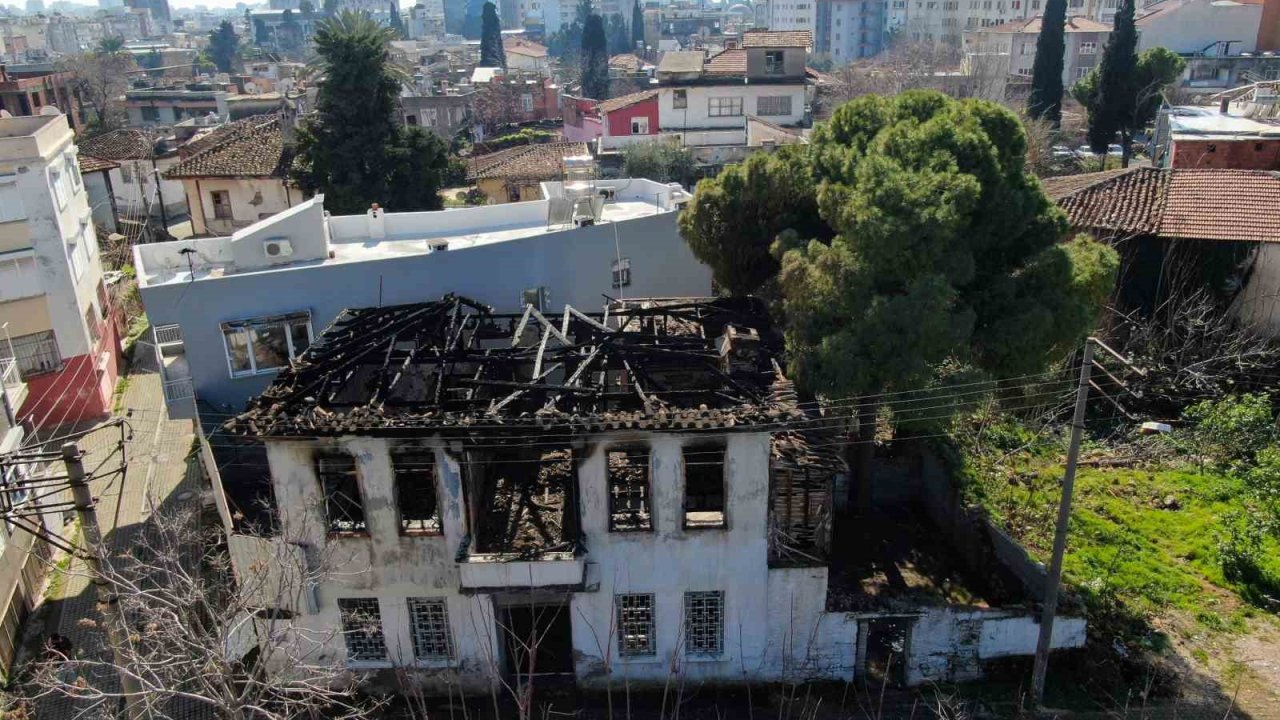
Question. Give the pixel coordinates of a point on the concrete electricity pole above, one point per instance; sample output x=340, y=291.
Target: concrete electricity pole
x=112, y=616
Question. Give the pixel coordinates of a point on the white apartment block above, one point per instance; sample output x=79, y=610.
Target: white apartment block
x=793, y=15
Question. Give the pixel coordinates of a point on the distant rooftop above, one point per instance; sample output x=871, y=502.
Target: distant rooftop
x=311, y=238
x=1212, y=123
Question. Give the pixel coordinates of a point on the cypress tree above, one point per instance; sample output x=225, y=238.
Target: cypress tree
x=492, y=54
x=1046, y=74
x=595, y=59
x=397, y=22
x=471, y=21
x=637, y=25
x=1117, y=77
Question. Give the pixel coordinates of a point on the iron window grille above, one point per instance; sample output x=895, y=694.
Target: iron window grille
x=34, y=354
x=635, y=624
x=774, y=105
x=341, y=487
x=362, y=628
x=629, y=507
x=429, y=622
x=704, y=623
x=415, y=480
x=773, y=62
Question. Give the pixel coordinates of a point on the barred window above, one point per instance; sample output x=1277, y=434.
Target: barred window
x=724, y=106
x=629, y=490
x=704, y=623
x=341, y=493
x=774, y=105
x=430, y=624
x=362, y=628
x=635, y=624
x=415, y=480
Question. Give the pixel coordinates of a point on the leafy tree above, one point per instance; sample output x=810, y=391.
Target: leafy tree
x=99, y=78
x=1116, y=86
x=354, y=150
x=471, y=23
x=1046, y=73
x=618, y=35
x=492, y=54
x=595, y=59
x=1157, y=69
x=224, y=45
x=637, y=24
x=736, y=216
x=660, y=161
x=110, y=45
x=396, y=21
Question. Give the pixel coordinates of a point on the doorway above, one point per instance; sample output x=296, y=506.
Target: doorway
x=538, y=640
x=887, y=649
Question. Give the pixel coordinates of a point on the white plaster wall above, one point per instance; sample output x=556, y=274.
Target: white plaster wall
x=1191, y=27
x=1004, y=637
x=940, y=651
x=385, y=565
x=1259, y=303
x=276, y=197
x=135, y=199
x=697, y=114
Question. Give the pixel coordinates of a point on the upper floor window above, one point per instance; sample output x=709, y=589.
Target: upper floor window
x=11, y=208
x=621, y=271
x=73, y=171
x=151, y=114
x=61, y=192
x=629, y=502
x=773, y=105
x=415, y=481
x=265, y=344
x=680, y=99
x=343, y=506
x=773, y=62
x=704, y=503
x=724, y=106
x=1088, y=48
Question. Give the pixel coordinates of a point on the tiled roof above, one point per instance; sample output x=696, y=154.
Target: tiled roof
x=627, y=61
x=1199, y=204
x=91, y=164
x=126, y=144
x=623, y=101
x=1063, y=185
x=1032, y=26
x=681, y=61
x=250, y=150
x=729, y=62
x=526, y=162
x=524, y=47
x=208, y=138
x=777, y=38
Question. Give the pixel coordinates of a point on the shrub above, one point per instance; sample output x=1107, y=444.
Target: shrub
x=1231, y=431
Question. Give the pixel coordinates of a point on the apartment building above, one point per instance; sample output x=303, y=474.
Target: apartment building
x=671, y=524
x=217, y=297
x=1011, y=47
x=60, y=326
x=24, y=90
x=847, y=30
x=943, y=22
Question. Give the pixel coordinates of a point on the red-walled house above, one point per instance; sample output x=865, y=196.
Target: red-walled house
x=628, y=119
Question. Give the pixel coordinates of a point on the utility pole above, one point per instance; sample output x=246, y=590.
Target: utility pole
x=1050, y=610
x=112, y=617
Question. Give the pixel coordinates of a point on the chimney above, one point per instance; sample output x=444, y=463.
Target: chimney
x=377, y=222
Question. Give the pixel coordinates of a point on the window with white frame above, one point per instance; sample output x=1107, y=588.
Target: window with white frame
x=635, y=624
x=724, y=106
x=77, y=256
x=73, y=171
x=261, y=345
x=621, y=271
x=640, y=126
x=704, y=623
x=773, y=105
x=526, y=102
x=1082, y=71
x=58, y=180
x=11, y=208
x=429, y=622
x=362, y=629
x=679, y=99
x=1088, y=48
x=774, y=62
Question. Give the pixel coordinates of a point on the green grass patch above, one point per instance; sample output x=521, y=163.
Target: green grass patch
x=137, y=327
x=117, y=403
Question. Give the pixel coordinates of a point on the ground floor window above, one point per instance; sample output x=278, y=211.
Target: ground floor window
x=635, y=624
x=429, y=619
x=704, y=623
x=362, y=628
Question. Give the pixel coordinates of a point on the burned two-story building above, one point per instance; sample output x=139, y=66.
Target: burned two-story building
x=629, y=495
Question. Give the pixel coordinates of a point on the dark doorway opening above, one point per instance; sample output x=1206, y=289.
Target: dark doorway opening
x=538, y=640
x=887, y=647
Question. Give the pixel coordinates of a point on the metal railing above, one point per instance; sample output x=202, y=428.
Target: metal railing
x=168, y=335
x=10, y=378
x=180, y=389
x=36, y=353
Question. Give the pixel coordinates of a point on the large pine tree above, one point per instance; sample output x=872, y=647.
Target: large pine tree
x=595, y=59
x=492, y=54
x=354, y=150
x=1046, y=74
x=637, y=25
x=1116, y=88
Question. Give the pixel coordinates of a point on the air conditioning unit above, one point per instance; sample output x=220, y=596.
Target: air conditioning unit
x=277, y=248
x=437, y=245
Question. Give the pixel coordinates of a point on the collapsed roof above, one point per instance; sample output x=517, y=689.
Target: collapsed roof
x=455, y=367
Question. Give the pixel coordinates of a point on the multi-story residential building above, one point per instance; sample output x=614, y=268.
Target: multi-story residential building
x=148, y=107
x=847, y=30
x=425, y=20
x=25, y=89
x=943, y=22
x=1008, y=51
x=303, y=267
x=60, y=327
x=140, y=189
x=793, y=15
x=639, y=489
x=238, y=174
x=444, y=113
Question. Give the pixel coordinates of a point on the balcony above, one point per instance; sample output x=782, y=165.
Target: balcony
x=175, y=374
x=491, y=572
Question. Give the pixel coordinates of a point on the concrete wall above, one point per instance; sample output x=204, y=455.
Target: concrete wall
x=574, y=265
x=697, y=114
x=275, y=196
x=949, y=644
x=100, y=200
x=1191, y=27
x=138, y=198
x=1243, y=154
x=1259, y=303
